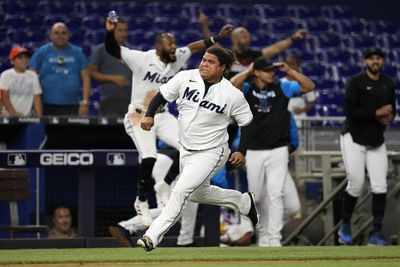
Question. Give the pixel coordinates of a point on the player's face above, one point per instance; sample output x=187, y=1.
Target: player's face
x=242, y=40
x=292, y=63
x=374, y=64
x=59, y=35
x=167, y=48
x=210, y=67
x=21, y=62
x=121, y=32
x=62, y=220
x=265, y=76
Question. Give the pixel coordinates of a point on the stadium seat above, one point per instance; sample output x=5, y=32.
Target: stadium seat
x=303, y=12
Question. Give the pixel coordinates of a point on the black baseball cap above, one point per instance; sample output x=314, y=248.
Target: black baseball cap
x=263, y=63
x=374, y=50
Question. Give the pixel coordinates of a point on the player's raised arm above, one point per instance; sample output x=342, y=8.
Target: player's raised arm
x=110, y=43
x=203, y=21
x=306, y=84
x=201, y=45
x=241, y=77
x=282, y=45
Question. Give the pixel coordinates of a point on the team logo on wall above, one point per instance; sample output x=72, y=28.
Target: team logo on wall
x=17, y=159
x=115, y=159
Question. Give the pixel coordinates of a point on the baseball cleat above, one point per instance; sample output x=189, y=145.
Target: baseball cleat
x=121, y=235
x=253, y=213
x=163, y=191
x=345, y=234
x=376, y=239
x=146, y=243
x=142, y=210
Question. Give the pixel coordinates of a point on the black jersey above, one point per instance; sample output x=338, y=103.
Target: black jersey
x=362, y=98
x=244, y=60
x=271, y=121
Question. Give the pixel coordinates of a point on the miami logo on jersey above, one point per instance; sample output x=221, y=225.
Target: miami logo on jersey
x=193, y=95
x=156, y=77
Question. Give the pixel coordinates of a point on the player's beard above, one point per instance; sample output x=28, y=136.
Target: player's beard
x=374, y=70
x=166, y=57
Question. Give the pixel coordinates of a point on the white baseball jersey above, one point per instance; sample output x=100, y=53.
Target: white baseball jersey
x=149, y=72
x=203, y=119
x=22, y=88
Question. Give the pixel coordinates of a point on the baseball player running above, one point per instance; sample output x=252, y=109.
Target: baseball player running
x=369, y=105
x=206, y=101
x=267, y=156
x=150, y=70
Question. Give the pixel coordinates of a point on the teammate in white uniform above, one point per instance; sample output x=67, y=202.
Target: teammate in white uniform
x=150, y=69
x=206, y=101
x=299, y=106
x=267, y=156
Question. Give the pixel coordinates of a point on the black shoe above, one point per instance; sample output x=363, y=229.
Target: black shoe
x=122, y=235
x=253, y=213
x=145, y=243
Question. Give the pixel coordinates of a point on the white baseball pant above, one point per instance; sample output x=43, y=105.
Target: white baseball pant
x=165, y=128
x=197, y=168
x=266, y=174
x=188, y=222
x=356, y=158
x=291, y=205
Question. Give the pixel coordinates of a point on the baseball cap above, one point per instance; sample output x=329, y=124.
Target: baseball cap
x=374, y=50
x=16, y=51
x=263, y=63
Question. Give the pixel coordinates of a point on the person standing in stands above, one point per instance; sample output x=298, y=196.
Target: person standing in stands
x=63, y=74
x=115, y=77
x=19, y=87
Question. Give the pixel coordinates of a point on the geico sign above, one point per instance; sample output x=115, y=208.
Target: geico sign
x=72, y=159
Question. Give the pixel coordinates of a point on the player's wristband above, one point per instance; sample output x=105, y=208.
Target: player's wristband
x=212, y=40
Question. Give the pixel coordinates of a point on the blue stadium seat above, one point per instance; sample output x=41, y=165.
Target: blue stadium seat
x=266, y=11
x=336, y=12
x=349, y=26
x=317, y=25
x=303, y=12
x=329, y=40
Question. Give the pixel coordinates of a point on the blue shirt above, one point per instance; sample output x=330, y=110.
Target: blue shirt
x=59, y=73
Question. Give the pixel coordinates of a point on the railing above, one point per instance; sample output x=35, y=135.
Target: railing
x=327, y=174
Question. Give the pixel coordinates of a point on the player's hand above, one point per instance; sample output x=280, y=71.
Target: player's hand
x=110, y=26
x=299, y=34
x=120, y=80
x=384, y=111
x=147, y=123
x=282, y=66
x=203, y=19
x=83, y=109
x=385, y=120
x=237, y=159
x=225, y=30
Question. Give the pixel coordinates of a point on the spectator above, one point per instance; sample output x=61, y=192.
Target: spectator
x=62, y=69
x=20, y=88
x=298, y=106
x=62, y=221
x=114, y=76
x=241, y=41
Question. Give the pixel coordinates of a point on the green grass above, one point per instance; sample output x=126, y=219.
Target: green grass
x=297, y=256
